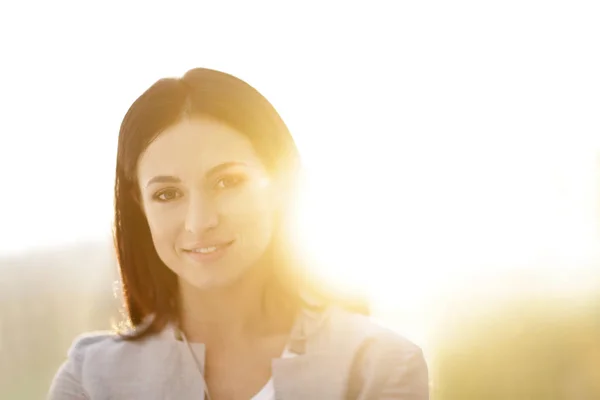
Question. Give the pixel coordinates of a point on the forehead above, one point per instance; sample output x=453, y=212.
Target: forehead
x=193, y=146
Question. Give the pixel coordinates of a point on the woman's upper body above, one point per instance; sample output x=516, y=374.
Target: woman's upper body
x=205, y=189
x=337, y=355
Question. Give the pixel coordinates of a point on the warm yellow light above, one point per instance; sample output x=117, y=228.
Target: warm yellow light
x=491, y=214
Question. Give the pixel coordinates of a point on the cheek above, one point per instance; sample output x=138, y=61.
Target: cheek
x=163, y=226
x=251, y=217
x=249, y=208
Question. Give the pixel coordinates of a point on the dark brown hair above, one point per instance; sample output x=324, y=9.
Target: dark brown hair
x=149, y=287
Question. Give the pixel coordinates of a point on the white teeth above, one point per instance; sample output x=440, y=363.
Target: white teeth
x=205, y=250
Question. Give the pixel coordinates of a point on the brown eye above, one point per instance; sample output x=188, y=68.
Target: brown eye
x=167, y=195
x=229, y=181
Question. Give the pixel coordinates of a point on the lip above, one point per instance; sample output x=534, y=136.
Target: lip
x=221, y=250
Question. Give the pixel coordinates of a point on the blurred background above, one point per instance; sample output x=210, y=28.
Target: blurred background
x=451, y=152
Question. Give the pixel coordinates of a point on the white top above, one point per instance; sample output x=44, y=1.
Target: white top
x=268, y=391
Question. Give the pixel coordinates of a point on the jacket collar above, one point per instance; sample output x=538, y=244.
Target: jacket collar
x=322, y=366
x=320, y=369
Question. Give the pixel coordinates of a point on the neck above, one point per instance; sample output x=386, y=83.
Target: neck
x=230, y=313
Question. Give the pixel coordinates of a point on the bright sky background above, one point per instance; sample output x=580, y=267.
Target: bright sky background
x=439, y=138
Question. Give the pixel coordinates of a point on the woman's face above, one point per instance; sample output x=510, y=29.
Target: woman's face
x=208, y=201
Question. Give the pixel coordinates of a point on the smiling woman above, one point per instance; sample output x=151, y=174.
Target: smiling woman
x=219, y=300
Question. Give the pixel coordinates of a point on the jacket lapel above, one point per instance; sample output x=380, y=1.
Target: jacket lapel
x=322, y=367
x=184, y=381
x=191, y=385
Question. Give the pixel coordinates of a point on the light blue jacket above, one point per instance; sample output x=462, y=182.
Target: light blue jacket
x=340, y=356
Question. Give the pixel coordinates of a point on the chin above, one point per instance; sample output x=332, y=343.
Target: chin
x=211, y=281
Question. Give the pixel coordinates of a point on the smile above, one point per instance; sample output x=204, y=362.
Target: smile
x=205, y=250
x=208, y=253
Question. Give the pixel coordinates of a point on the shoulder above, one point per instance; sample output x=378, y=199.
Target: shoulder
x=68, y=380
x=100, y=347
x=95, y=359
x=93, y=350
x=99, y=351
x=91, y=340
x=367, y=330
x=385, y=363
x=90, y=344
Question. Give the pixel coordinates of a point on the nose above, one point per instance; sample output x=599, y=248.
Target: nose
x=201, y=214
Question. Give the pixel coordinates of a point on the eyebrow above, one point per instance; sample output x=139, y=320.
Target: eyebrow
x=214, y=170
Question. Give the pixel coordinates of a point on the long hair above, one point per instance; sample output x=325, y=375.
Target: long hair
x=150, y=288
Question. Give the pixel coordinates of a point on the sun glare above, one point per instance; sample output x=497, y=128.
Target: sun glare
x=537, y=213
x=436, y=159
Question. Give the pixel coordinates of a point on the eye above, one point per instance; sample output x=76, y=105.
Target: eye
x=230, y=181
x=167, y=195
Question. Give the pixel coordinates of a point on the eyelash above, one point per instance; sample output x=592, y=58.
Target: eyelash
x=157, y=195
x=238, y=180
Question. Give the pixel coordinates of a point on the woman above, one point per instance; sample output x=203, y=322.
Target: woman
x=218, y=306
